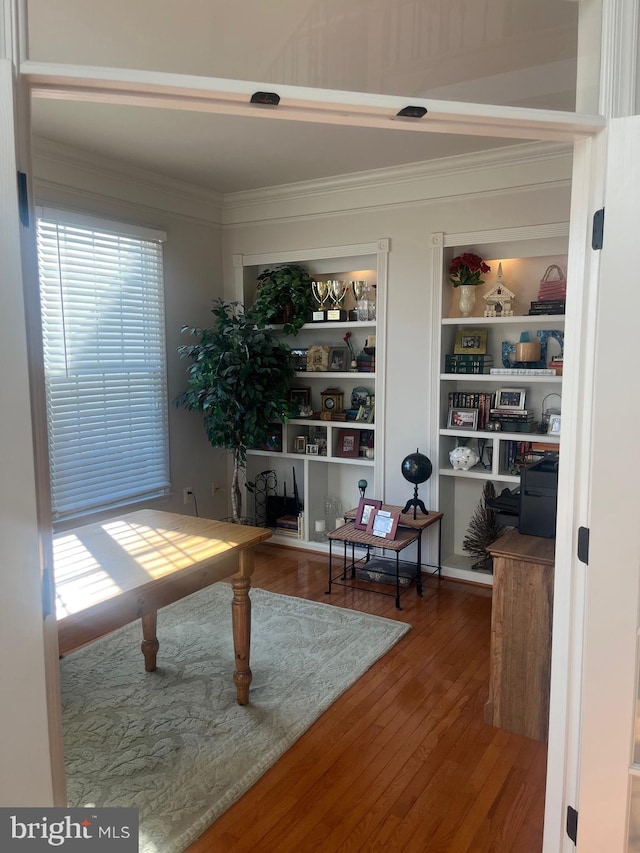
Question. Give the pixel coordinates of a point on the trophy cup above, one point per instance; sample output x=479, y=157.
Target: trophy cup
x=320, y=292
x=337, y=292
x=360, y=292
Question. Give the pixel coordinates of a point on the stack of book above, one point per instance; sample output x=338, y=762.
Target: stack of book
x=476, y=400
x=290, y=525
x=366, y=363
x=547, y=306
x=512, y=420
x=468, y=363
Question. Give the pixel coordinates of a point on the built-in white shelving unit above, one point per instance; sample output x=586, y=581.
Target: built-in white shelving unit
x=525, y=253
x=331, y=476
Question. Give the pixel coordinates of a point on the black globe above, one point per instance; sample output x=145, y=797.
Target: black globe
x=416, y=468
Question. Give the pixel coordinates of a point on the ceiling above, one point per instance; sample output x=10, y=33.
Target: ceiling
x=508, y=52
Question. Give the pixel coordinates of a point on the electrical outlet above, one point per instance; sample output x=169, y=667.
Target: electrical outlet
x=216, y=488
x=187, y=495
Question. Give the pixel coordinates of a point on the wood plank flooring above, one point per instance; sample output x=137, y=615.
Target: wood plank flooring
x=402, y=762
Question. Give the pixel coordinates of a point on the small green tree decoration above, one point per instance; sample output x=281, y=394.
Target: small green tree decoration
x=239, y=382
x=284, y=296
x=484, y=528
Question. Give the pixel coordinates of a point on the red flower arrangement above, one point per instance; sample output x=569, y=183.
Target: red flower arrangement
x=347, y=340
x=467, y=269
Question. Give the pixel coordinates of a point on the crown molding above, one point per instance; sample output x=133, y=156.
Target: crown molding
x=514, y=166
x=77, y=169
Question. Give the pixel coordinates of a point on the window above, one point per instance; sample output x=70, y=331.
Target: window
x=102, y=302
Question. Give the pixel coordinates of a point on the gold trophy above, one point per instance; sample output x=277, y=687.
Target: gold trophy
x=337, y=292
x=320, y=292
x=359, y=289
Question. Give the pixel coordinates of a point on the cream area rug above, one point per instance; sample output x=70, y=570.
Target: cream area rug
x=175, y=744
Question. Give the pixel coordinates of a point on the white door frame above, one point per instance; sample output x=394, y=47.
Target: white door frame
x=298, y=103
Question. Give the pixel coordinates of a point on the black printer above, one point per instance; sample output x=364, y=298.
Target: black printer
x=539, y=497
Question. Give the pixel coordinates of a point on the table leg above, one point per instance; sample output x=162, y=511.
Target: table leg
x=150, y=644
x=241, y=621
x=398, y=580
x=419, y=566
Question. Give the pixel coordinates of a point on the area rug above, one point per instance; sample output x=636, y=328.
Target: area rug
x=175, y=744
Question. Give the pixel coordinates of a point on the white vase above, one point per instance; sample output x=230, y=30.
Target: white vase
x=466, y=299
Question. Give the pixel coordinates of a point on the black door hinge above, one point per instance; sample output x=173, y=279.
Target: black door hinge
x=23, y=199
x=597, y=233
x=572, y=824
x=583, y=545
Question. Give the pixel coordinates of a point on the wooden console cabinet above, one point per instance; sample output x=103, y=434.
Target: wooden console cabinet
x=521, y=624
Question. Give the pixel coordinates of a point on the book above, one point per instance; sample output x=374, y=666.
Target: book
x=523, y=371
x=468, y=357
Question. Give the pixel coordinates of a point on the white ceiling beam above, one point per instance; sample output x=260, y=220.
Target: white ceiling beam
x=299, y=103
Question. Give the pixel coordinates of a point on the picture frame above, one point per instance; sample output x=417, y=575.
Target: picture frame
x=339, y=359
x=300, y=444
x=554, y=425
x=365, y=414
x=383, y=523
x=348, y=443
x=300, y=397
x=510, y=398
x=273, y=440
x=470, y=342
x=298, y=359
x=312, y=450
x=365, y=508
x=318, y=359
x=462, y=419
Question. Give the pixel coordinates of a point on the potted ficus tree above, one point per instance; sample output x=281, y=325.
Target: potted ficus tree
x=284, y=296
x=239, y=382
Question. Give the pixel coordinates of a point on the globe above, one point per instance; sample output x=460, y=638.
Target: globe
x=416, y=468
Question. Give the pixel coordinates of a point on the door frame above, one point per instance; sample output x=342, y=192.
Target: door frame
x=181, y=92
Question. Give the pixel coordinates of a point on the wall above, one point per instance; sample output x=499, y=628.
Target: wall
x=192, y=272
x=494, y=190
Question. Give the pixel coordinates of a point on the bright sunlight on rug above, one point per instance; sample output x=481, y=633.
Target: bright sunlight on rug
x=174, y=743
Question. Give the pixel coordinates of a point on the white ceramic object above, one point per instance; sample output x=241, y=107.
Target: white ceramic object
x=463, y=458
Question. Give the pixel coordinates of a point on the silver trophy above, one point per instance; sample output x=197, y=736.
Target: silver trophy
x=337, y=292
x=320, y=292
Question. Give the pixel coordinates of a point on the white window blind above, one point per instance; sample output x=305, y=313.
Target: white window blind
x=102, y=306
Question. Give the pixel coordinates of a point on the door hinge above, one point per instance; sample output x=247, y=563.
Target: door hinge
x=23, y=199
x=583, y=545
x=597, y=234
x=572, y=824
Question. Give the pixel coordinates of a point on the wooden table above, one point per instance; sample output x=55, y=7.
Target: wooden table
x=521, y=627
x=112, y=572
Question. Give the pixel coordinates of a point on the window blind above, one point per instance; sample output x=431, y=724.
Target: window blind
x=102, y=302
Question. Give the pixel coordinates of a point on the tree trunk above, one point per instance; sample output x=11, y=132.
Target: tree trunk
x=236, y=494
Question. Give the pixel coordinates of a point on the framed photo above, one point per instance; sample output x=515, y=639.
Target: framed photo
x=339, y=359
x=348, y=444
x=273, y=440
x=318, y=358
x=301, y=397
x=554, y=425
x=383, y=523
x=365, y=414
x=365, y=508
x=312, y=449
x=300, y=444
x=510, y=398
x=298, y=359
x=471, y=342
x=462, y=419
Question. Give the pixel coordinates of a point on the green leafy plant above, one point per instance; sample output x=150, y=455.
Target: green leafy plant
x=284, y=296
x=239, y=382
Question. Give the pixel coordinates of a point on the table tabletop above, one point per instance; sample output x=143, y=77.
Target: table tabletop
x=105, y=559
x=349, y=533
x=420, y=522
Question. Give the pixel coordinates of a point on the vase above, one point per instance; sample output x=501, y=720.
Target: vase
x=466, y=299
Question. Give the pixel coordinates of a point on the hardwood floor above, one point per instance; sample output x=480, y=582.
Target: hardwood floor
x=403, y=760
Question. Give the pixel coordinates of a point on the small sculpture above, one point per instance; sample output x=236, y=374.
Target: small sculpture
x=463, y=458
